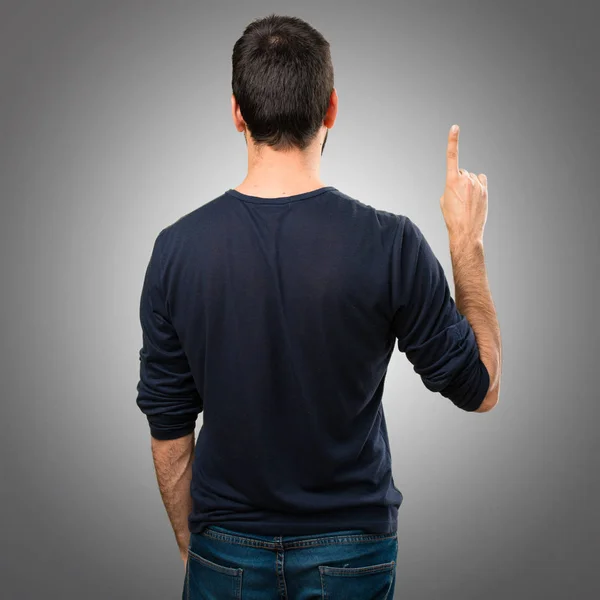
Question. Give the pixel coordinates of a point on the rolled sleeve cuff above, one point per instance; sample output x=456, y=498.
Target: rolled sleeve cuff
x=167, y=427
x=468, y=391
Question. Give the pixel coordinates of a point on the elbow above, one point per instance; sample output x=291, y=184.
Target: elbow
x=490, y=401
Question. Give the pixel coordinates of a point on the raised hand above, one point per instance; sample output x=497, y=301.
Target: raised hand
x=464, y=202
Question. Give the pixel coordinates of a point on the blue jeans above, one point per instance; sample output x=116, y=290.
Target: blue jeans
x=341, y=565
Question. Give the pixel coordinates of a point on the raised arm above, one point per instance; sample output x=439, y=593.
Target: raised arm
x=464, y=206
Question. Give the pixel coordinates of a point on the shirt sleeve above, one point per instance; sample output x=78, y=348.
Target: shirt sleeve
x=436, y=338
x=167, y=394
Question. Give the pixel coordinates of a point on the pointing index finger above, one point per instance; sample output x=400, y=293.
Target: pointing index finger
x=452, y=151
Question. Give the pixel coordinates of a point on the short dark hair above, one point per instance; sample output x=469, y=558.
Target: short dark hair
x=282, y=80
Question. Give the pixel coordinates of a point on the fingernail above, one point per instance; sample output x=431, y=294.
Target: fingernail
x=454, y=128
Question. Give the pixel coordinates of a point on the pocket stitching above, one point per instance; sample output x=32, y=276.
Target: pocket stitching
x=353, y=571
x=323, y=590
x=233, y=572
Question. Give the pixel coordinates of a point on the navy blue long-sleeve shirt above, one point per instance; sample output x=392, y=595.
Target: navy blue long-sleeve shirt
x=276, y=318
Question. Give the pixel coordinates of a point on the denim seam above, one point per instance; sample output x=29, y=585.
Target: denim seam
x=238, y=592
x=310, y=543
x=280, y=568
x=187, y=576
x=323, y=591
x=336, y=541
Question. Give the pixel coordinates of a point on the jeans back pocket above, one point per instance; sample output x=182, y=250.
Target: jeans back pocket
x=210, y=581
x=372, y=582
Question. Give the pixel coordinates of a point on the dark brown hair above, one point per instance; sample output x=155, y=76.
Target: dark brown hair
x=282, y=80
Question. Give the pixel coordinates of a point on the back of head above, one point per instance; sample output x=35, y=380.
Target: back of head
x=282, y=80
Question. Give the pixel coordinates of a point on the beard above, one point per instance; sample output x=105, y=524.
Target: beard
x=324, y=142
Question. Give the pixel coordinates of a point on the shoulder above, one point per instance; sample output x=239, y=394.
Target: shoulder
x=387, y=220
x=195, y=223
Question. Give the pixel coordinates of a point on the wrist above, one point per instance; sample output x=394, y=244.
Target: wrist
x=465, y=243
x=467, y=257
x=183, y=541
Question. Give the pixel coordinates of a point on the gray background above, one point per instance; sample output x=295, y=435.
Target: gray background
x=115, y=121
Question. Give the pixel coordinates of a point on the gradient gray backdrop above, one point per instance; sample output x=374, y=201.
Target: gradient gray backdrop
x=115, y=121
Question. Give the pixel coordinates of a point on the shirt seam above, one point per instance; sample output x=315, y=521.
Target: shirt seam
x=274, y=201
x=401, y=221
x=161, y=271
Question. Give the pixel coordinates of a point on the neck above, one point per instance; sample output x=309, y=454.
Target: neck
x=274, y=173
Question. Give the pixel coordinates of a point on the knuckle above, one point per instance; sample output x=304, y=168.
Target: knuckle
x=452, y=153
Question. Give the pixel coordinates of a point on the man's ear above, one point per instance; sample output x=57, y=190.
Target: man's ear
x=236, y=114
x=331, y=113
